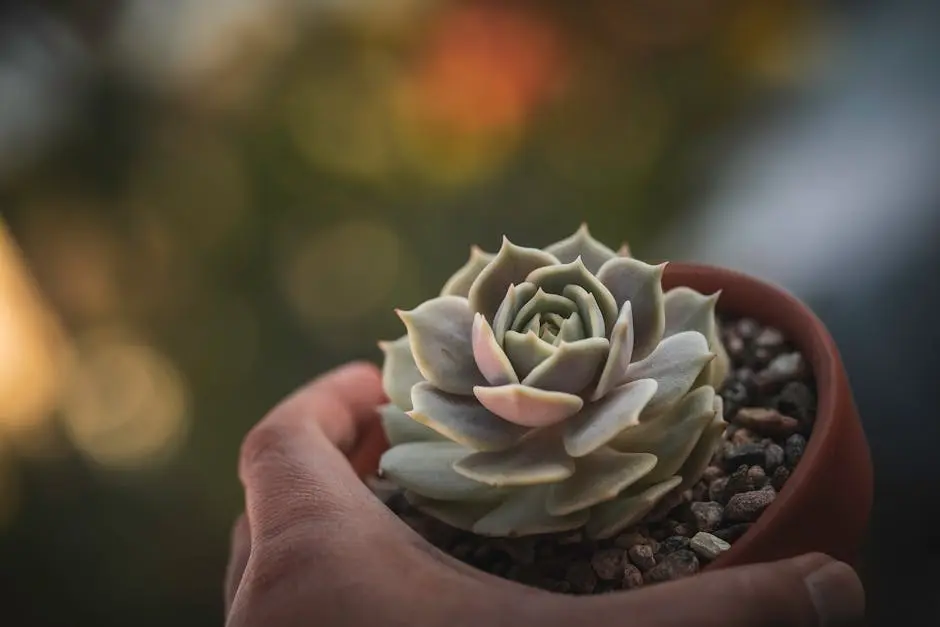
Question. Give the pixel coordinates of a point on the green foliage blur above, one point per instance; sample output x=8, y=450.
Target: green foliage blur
x=241, y=192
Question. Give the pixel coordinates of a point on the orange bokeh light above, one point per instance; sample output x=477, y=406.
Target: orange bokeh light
x=486, y=68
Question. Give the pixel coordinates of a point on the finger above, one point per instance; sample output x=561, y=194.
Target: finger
x=237, y=559
x=808, y=591
x=292, y=463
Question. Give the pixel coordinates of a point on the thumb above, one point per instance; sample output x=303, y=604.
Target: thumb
x=808, y=591
x=293, y=463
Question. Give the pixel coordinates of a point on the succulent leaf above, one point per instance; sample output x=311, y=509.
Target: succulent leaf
x=427, y=469
x=599, y=477
x=542, y=302
x=463, y=419
x=516, y=297
x=615, y=368
x=570, y=330
x=488, y=354
x=610, y=518
x=533, y=461
x=459, y=284
x=400, y=427
x=399, y=371
x=649, y=435
x=510, y=266
x=675, y=364
x=688, y=310
x=629, y=279
x=571, y=368
x=589, y=310
x=440, y=335
x=601, y=421
x=458, y=514
x=701, y=455
x=528, y=406
x=680, y=430
x=527, y=351
x=554, y=279
x=581, y=244
x=523, y=513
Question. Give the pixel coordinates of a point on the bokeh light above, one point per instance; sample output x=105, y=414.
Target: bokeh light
x=32, y=347
x=125, y=405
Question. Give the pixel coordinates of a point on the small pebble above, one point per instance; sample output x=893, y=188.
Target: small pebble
x=699, y=491
x=742, y=435
x=630, y=539
x=713, y=472
x=774, y=457
x=756, y=477
x=581, y=577
x=609, y=564
x=641, y=556
x=747, y=506
x=708, y=515
x=751, y=453
x=735, y=346
x=794, y=448
x=716, y=491
x=769, y=338
x=632, y=577
x=738, y=482
x=780, y=478
x=734, y=394
x=767, y=422
x=781, y=370
x=747, y=328
x=797, y=399
x=708, y=546
x=520, y=550
x=676, y=565
x=672, y=544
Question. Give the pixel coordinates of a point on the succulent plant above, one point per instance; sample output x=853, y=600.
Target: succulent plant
x=546, y=390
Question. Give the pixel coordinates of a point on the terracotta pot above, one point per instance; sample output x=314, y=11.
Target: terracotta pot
x=825, y=504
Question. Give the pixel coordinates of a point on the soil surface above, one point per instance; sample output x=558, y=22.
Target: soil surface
x=770, y=404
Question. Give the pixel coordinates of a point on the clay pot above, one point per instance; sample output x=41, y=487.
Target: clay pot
x=825, y=503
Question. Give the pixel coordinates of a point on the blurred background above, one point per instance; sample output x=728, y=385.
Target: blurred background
x=207, y=202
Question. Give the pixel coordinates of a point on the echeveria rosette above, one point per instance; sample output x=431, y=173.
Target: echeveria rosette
x=546, y=390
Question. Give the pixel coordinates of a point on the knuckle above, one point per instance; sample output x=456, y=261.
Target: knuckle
x=265, y=442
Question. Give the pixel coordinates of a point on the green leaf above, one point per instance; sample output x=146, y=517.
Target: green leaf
x=615, y=368
x=401, y=428
x=675, y=364
x=457, y=514
x=554, y=279
x=459, y=284
x=463, y=419
x=489, y=356
x=581, y=244
x=399, y=371
x=571, y=368
x=523, y=513
x=571, y=330
x=528, y=406
x=527, y=351
x=611, y=517
x=427, y=469
x=511, y=266
x=533, y=461
x=639, y=283
x=542, y=302
x=701, y=456
x=601, y=421
x=599, y=477
x=516, y=297
x=670, y=436
x=440, y=334
x=689, y=310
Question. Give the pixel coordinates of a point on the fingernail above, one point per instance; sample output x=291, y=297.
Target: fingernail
x=837, y=594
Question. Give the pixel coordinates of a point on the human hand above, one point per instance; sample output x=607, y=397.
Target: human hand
x=317, y=548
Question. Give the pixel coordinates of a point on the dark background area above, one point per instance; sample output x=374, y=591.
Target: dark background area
x=206, y=203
